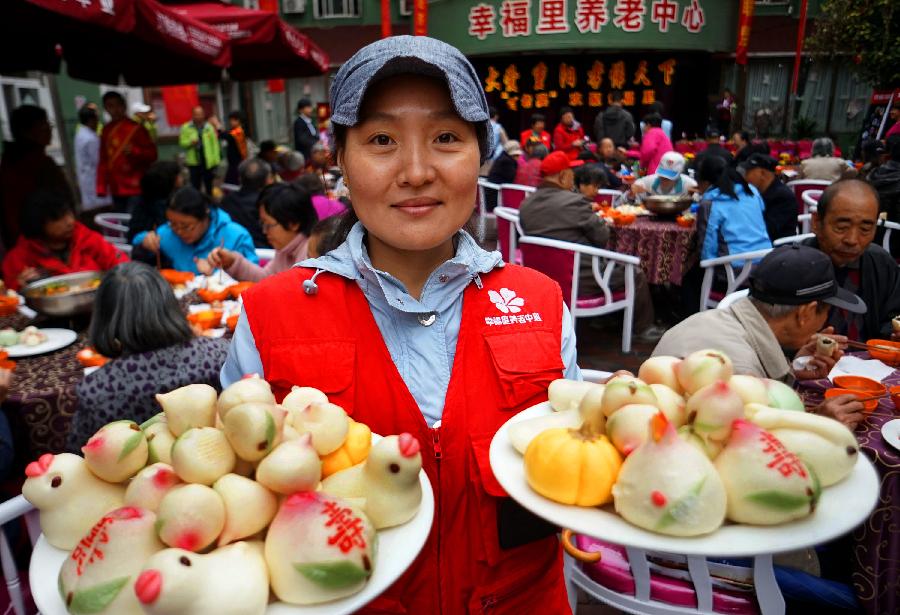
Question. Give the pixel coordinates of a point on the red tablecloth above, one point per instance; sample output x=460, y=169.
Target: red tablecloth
x=667, y=251
x=876, y=552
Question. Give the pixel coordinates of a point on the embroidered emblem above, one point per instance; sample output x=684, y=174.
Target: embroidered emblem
x=506, y=301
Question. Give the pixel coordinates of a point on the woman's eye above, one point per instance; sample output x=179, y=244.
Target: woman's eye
x=381, y=140
x=447, y=137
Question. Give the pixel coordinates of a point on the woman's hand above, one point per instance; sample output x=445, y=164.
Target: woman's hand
x=5, y=383
x=27, y=275
x=220, y=258
x=151, y=242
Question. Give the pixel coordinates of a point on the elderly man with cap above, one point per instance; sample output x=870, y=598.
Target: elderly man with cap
x=555, y=211
x=845, y=224
x=781, y=205
x=143, y=114
x=791, y=292
x=668, y=179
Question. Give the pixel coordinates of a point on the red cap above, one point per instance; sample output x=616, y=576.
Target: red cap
x=557, y=162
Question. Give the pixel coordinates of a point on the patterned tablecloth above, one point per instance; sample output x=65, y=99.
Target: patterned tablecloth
x=876, y=549
x=667, y=251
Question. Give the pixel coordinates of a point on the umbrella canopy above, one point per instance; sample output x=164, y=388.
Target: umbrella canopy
x=263, y=45
x=143, y=41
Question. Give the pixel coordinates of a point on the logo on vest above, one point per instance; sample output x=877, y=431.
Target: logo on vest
x=511, y=306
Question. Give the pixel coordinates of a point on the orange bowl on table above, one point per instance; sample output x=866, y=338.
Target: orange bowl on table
x=208, y=296
x=7, y=364
x=891, y=357
x=859, y=383
x=235, y=290
x=206, y=319
x=174, y=277
x=868, y=406
x=231, y=321
x=624, y=219
x=88, y=357
x=895, y=397
x=684, y=222
x=8, y=305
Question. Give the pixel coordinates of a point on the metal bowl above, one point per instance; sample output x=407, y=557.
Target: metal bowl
x=662, y=205
x=69, y=303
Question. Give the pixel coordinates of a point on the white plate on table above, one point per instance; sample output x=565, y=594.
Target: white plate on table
x=840, y=509
x=56, y=339
x=397, y=548
x=891, y=433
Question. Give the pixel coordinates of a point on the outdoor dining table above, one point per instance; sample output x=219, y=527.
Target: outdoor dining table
x=875, y=559
x=667, y=250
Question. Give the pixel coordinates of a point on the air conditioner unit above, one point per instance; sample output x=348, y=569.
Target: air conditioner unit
x=293, y=7
x=406, y=7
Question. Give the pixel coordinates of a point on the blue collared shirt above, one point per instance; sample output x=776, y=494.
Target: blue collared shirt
x=423, y=355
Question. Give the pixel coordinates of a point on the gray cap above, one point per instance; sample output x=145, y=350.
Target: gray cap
x=417, y=55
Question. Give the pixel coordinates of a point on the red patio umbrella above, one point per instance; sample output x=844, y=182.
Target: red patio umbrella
x=143, y=41
x=263, y=45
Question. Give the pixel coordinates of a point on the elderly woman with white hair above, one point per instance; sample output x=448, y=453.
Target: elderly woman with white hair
x=824, y=164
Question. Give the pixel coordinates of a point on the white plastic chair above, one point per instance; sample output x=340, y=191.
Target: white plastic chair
x=603, y=263
x=113, y=226
x=727, y=300
x=483, y=214
x=734, y=281
x=9, y=510
x=512, y=195
x=792, y=239
x=889, y=228
x=608, y=196
x=810, y=203
x=511, y=216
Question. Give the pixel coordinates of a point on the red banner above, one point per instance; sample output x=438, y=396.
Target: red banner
x=801, y=38
x=744, y=25
x=180, y=101
x=275, y=86
x=385, y=18
x=420, y=18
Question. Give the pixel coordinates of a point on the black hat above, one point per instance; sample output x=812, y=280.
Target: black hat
x=303, y=103
x=797, y=274
x=759, y=161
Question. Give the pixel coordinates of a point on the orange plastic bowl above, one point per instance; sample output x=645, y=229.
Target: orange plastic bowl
x=235, y=290
x=684, y=222
x=895, y=397
x=625, y=220
x=8, y=305
x=207, y=319
x=7, y=364
x=231, y=321
x=88, y=357
x=208, y=296
x=174, y=277
x=859, y=383
x=868, y=406
x=891, y=357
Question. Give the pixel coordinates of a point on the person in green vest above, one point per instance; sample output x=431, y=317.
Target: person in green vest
x=200, y=142
x=142, y=113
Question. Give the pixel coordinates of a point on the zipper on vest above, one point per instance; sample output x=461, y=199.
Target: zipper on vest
x=436, y=443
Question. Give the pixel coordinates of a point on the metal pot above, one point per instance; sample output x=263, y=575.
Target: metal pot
x=76, y=301
x=663, y=205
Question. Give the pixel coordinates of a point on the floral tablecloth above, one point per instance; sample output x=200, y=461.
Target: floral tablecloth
x=876, y=549
x=667, y=251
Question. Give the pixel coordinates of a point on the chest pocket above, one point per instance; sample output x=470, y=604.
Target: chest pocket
x=327, y=365
x=525, y=363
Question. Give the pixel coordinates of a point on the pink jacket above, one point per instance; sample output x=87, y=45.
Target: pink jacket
x=245, y=271
x=654, y=144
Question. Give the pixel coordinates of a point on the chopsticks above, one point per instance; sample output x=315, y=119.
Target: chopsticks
x=158, y=255
x=221, y=269
x=862, y=346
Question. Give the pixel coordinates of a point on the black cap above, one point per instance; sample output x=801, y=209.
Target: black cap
x=760, y=161
x=797, y=274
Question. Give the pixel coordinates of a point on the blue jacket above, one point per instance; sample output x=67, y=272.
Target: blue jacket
x=222, y=231
x=730, y=226
x=423, y=355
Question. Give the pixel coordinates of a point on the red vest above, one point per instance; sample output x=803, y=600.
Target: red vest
x=504, y=364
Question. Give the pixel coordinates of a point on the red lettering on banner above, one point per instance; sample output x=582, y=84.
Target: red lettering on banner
x=490, y=83
x=664, y=12
x=617, y=75
x=630, y=15
x=786, y=462
x=640, y=75
x=595, y=75
x=567, y=76
x=552, y=19
x=591, y=15
x=667, y=68
x=515, y=17
x=511, y=78
x=539, y=72
x=481, y=21
x=693, y=18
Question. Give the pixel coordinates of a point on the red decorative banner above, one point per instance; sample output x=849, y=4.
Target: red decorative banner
x=420, y=18
x=744, y=25
x=275, y=85
x=385, y=18
x=180, y=101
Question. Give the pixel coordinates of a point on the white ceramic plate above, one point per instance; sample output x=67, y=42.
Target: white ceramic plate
x=841, y=508
x=56, y=339
x=891, y=433
x=397, y=548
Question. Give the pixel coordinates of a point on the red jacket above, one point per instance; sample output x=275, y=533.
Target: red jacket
x=528, y=133
x=331, y=341
x=89, y=252
x=119, y=173
x=563, y=137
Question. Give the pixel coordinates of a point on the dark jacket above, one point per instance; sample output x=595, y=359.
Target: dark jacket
x=879, y=288
x=243, y=209
x=126, y=388
x=781, y=210
x=615, y=123
x=886, y=180
x=503, y=171
x=147, y=216
x=560, y=214
x=304, y=139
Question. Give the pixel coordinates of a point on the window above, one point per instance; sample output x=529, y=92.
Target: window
x=327, y=9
